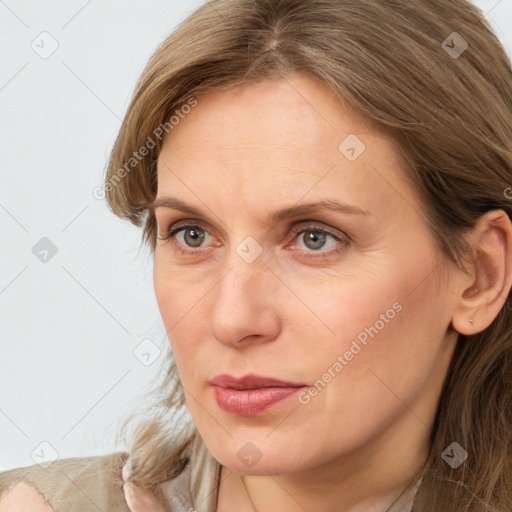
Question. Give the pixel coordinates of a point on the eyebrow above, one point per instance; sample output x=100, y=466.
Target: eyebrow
x=275, y=216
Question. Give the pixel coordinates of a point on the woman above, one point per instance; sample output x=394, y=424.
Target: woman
x=326, y=189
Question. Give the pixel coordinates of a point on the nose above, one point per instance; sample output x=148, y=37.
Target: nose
x=245, y=306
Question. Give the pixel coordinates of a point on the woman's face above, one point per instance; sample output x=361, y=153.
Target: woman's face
x=352, y=303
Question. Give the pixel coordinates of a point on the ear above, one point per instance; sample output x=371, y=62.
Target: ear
x=485, y=288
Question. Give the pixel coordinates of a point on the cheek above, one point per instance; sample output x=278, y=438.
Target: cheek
x=180, y=308
x=346, y=311
x=373, y=317
x=177, y=290
x=381, y=323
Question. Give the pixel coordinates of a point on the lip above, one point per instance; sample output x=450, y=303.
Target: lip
x=252, y=381
x=252, y=394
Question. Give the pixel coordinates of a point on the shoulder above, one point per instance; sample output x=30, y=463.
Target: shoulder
x=72, y=485
x=24, y=497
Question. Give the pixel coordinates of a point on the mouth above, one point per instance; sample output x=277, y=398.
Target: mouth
x=253, y=394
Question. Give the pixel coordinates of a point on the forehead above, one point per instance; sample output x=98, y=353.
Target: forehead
x=278, y=113
x=298, y=113
x=279, y=141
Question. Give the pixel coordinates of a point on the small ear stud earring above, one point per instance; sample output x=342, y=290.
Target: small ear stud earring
x=471, y=321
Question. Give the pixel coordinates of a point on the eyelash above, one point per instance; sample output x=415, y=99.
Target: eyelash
x=176, y=228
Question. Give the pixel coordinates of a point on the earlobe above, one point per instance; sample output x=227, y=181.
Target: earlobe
x=486, y=288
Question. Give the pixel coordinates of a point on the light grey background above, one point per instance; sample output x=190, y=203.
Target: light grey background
x=69, y=326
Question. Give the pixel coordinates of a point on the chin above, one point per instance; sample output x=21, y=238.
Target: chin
x=260, y=456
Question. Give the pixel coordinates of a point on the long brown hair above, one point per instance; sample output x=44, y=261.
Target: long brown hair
x=447, y=101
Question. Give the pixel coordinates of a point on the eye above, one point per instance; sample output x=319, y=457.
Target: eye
x=316, y=240
x=187, y=237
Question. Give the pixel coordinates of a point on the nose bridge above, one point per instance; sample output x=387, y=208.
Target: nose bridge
x=243, y=304
x=245, y=279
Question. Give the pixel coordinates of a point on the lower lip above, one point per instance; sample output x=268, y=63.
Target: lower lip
x=251, y=402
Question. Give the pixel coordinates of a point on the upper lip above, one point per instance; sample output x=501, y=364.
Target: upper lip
x=252, y=382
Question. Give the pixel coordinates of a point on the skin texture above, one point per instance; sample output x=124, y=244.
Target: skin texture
x=23, y=497
x=237, y=156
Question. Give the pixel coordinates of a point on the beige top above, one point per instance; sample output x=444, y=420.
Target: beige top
x=89, y=484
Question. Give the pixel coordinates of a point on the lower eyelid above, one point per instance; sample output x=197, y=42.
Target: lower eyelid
x=338, y=247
